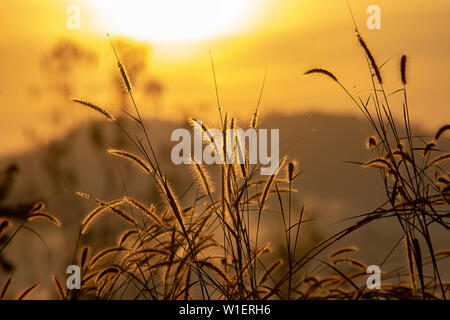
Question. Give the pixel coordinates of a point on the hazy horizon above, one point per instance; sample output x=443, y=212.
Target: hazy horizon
x=286, y=38
x=95, y=93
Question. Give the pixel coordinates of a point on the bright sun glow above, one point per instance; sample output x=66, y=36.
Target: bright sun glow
x=174, y=20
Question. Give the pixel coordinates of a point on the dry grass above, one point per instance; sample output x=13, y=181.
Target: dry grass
x=211, y=250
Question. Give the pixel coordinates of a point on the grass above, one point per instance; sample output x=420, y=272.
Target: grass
x=212, y=248
x=21, y=214
x=412, y=172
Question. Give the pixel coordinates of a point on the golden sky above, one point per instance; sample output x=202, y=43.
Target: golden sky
x=246, y=38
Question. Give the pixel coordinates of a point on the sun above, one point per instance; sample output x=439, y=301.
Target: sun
x=174, y=20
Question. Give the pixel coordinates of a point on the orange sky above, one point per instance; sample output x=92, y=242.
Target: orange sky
x=285, y=36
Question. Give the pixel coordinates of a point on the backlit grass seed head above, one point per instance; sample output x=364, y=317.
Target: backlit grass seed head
x=94, y=107
x=403, y=69
x=4, y=225
x=371, y=142
x=195, y=123
x=291, y=171
x=216, y=270
x=322, y=71
x=46, y=216
x=241, y=155
x=107, y=271
x=353, y=262
x=173, y=202
x=442, y=179
x=225, y=126
x=126, y=79
x=442, y=254
x=343, y=251
x=378, y=163
x=83, y=195
x=38, y=207
x=104, y=206
x=149, y=212
x=26, y=292
x=400, y=153
x=254, y=122
x=122, y=214
x=102, y=254
x=132, y=157
x=202, y=177
x=371, y=58
x=311, y=280
x=441, y=131
x=124, y=237
x=142, y=256
x=269, y=183
x=439, y=159
x=90, y=217
x=123, y=73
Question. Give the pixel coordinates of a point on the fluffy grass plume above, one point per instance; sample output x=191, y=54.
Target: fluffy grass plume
x=102, y=254
x=107, y=271
x=3, y=226
x=203, y=177
x=60, y=289
x=45, y=216
x=439, y=159
x=132, y=157
x=90, y=217
x=269, y=183
x=371, y=58
x=403, y=69
x=149, y=212
x=27, y=291
x=343, y=251
x=378, y=163
x=291, y=171
x=94, y=107
x=124, y=237
x=322, y=71
x=441, y=131
x=123, y=72
x=371, y=142
x=125, y=78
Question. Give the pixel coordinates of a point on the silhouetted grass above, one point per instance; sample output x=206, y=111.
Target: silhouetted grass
x=210, y=249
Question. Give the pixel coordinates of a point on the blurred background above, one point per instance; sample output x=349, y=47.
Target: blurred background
x=53, y=50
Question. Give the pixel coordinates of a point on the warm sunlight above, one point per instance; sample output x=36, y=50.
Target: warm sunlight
x=224, y=156
x=175, y=20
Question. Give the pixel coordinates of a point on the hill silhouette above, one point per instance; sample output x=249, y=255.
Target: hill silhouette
x=331, y=188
